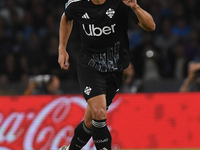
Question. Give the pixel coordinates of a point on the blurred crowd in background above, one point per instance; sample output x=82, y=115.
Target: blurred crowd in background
x=29, y=31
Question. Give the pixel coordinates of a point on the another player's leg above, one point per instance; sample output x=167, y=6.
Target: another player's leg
x=100, y=133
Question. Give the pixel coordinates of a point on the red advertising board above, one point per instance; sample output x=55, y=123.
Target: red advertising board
x=160, y=120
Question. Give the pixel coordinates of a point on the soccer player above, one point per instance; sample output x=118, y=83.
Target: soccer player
x=101, y=61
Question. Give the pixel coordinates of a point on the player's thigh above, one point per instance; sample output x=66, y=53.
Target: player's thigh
x=92, y=83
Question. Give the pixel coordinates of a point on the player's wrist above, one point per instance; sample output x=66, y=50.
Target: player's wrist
x=61, y=49
x=135, y=7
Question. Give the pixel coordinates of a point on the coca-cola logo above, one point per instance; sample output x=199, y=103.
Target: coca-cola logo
x=46, y=129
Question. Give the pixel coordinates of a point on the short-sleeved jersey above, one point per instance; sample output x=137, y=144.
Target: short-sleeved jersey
x=103, y=30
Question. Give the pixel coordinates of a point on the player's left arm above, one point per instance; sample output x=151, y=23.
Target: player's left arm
x=145, y=19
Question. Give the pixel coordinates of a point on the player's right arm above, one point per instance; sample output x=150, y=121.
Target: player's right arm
x=64, y=33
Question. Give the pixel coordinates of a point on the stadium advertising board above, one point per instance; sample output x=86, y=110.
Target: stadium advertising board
x=165, y=120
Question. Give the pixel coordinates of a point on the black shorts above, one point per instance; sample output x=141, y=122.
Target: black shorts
x=94, y=83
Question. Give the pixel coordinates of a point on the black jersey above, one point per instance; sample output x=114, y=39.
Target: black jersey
x=103, y=30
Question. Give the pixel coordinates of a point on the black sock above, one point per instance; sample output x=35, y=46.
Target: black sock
x=101, y=135
x=81, y=136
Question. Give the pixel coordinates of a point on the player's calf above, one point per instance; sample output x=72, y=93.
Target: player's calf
x=101, y=135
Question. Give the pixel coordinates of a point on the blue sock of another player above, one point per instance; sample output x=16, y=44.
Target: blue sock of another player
x=81, y=136
x=101, y=135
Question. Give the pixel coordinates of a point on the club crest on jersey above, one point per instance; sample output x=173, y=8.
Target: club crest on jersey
x=87, y=90
x=110, y=12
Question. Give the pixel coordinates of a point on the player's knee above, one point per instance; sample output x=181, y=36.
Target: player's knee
x=99, y=114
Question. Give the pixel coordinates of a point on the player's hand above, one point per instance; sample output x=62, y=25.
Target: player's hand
x=63, y=59
x=131, y=3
